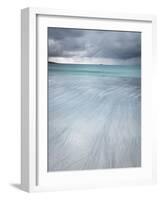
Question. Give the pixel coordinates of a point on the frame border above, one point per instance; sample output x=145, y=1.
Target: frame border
x=29, y=145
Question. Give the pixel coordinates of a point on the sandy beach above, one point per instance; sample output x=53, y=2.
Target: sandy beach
x=94, y=122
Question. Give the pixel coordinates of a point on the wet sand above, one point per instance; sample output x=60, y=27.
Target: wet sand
x=94, y=122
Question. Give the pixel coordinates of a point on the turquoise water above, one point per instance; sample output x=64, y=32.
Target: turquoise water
x=99, y=70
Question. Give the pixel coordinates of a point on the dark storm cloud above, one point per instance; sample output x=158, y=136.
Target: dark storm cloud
x=61, y=33
x=114, y=45
x=62, y=42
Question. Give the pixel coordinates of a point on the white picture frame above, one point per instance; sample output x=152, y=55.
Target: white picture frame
x=34, y=175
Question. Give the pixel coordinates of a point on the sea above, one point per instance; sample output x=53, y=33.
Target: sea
x=98, y=70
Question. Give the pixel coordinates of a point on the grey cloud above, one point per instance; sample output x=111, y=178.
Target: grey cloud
x=61, y=33
x=62, y=41
x=94, y=43
x=121, y=45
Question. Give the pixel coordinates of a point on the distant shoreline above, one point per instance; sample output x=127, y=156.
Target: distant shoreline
x=74, y=63
x=49, y=62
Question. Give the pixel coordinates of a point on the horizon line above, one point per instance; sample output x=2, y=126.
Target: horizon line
x=92, y=63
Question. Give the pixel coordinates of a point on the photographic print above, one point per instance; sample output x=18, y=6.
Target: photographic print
x=94, y=99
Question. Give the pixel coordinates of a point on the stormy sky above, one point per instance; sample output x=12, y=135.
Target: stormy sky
x=94, y=46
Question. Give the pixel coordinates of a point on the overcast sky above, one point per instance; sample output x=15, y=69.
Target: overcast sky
x=94, y=46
